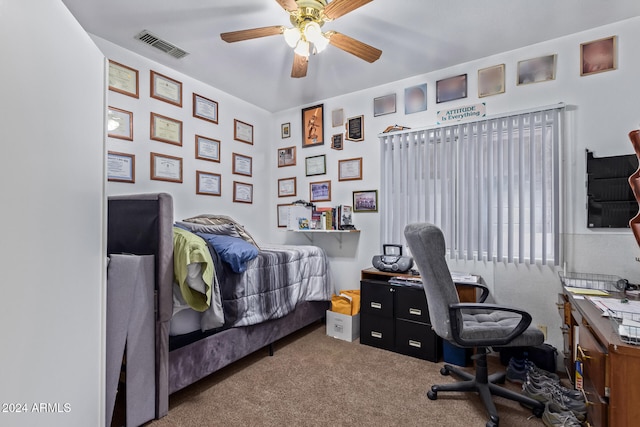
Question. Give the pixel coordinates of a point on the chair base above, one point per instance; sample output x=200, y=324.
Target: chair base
x=486, y=386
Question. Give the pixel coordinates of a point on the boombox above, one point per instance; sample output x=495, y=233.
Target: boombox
x=392, y=260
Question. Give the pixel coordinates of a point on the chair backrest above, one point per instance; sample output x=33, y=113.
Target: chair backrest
x=428, y=249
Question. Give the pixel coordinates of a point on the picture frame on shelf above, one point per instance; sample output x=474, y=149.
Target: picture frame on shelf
x=207, y=149
x=165, y=129
x=491, y=81
x=383, y=105
x=121, y=167
x=313, y=126
x=337, y=117
x=350, y=169
x=205, y=108
x=242, y=131
x=208, y=183
x=287, y=187
x=537, y=70
x=165, y=168
x=415, y=99
x=599, y=56
x=365, y=201
x=336, y=141
x=315, y=165
x=242, y=165
x=283, y=215
x=242, y=192
x=166, y=89
x=120, y=124
x=451, y=88
x=320, y=191
x=123, y=79
x=355, y=129
x=287, y=156
x=285, y=130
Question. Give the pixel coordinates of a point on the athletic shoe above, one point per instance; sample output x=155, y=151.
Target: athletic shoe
x=543, y=382
x=518, y=369
x=548, y=395
x=515, y=375
x=555, y=416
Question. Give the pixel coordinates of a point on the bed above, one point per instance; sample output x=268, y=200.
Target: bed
x=144, y=225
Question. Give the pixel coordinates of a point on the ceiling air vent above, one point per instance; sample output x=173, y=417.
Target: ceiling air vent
x=155, y=41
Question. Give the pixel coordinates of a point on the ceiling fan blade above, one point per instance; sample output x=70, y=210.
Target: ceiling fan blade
x=300, y=65
x=288, y=5
x=354, y=47
x=254, y=33
x=337, y=8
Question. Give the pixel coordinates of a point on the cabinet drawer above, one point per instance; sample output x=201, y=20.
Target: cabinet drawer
x=417, y=340
x=594, y=357
x=376, y=331
x=597, y=407
x=376, y=298
x=411, y=304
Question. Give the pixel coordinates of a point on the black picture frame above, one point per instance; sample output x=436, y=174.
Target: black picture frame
x=451, y=88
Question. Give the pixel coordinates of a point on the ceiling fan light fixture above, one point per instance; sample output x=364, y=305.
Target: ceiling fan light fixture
x=312, y=32
x=321, y=43
x=292, y=36
x=302, y=48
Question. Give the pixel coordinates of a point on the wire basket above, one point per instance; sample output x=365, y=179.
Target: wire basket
x=603, y=282
x=627, y=326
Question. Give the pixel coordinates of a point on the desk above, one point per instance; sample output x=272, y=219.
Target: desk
x=611, y=368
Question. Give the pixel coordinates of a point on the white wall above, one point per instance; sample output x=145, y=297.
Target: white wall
x=52, y=250
x=603, y=115
x=186, y=201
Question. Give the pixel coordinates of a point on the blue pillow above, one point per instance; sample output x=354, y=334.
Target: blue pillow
x=233, y=250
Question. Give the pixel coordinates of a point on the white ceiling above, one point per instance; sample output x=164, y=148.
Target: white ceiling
x=416, y=37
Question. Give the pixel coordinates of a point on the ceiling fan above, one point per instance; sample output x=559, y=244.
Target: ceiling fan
x=307, y=18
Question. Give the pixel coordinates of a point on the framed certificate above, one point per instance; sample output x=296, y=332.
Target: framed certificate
x=320, y=191
x=313, y=126
x=205, y=108
x=286, y=156
x=166, y=168
x=316, y=165
x=242, y=131
x=166, y=89
x=287, y=187
x=120, y=124
x=350, y=169
x=123, y=79
x=355, y=128
x=207, y=149
x=242, y=165
x=242, y=192
x=283, y=215
x=121, y=167
x=165, y=129
x=208, y=184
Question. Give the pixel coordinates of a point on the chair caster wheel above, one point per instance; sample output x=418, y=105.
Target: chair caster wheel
x=444, y=371
x=491, y=424
x=493, y=421
x=432, y=395
x=538, y=412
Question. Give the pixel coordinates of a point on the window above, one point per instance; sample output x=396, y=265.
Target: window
x=492, y=186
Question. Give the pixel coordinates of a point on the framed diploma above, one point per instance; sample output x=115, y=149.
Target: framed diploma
x=286, y=156
x=166, y=89
x=320, y=191
x=242, y=131
x=242, y=192
x=121, y=167
x=283, y=215
x=336, y=141
x=313, y=126
x=355, y=128
x=287, y=187
x=205, y=108
x=166, y=168
x=242, y=165
x=316, y=165
x=208, y=184
x=120, y=124
x=165, y=129
x=350, y=169
x=123, y=79
x=207, y=149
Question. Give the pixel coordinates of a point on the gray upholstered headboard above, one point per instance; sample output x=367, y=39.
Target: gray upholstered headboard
x=142, y=224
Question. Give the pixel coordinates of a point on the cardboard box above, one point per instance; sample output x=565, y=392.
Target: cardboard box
x=343, y=327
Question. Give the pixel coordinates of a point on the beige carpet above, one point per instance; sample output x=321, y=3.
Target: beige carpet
x=316, y=380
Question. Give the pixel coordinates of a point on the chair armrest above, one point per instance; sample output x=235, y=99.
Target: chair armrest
x=483, y=288
x=455, y=314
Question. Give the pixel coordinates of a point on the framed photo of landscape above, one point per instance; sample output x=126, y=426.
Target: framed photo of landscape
x=166, y=89
x=313, y=126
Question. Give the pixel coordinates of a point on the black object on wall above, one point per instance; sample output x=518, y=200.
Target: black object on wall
x=610, y=201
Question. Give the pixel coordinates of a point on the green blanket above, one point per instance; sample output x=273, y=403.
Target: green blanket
x=187, y=249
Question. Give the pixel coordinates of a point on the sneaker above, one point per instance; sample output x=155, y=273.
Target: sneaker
x=550, y=395
x=531, y=367
x=515, y=375
x=555, y=416
x=546, y=383
x=518, y=368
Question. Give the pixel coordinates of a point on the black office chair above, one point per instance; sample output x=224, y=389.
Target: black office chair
x=469, y=325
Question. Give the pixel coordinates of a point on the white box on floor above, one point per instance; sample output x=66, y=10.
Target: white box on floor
x=342, y=326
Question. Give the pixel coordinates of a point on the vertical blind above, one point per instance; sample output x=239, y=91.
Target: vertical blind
x=492, y=186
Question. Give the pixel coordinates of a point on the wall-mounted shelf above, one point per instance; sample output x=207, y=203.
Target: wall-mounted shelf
x=335, y=233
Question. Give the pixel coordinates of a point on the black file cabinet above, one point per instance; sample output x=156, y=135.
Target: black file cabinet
x=396, y=318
